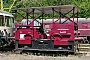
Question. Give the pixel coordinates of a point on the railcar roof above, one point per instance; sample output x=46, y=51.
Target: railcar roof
x=4, y=13
x=48, y=9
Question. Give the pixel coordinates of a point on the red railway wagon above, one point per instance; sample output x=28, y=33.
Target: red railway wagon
x=60, y=38
x=83, y=27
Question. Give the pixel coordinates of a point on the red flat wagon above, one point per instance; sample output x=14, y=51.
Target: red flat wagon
x=59, y=37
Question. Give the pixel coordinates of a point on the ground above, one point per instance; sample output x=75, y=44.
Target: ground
x=7, y=56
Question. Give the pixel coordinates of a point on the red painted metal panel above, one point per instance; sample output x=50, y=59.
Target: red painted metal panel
x=25, y=34
x=84, y=29
x=61, y=33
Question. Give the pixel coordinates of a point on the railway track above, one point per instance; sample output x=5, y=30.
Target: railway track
x=84, y=48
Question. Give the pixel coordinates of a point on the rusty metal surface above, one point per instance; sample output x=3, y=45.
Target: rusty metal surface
x=48, y=9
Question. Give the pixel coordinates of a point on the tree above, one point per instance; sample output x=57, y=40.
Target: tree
x=83, y=5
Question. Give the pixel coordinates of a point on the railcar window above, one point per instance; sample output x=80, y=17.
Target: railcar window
x=1, y=20
x=9, y=22
x=6, y=21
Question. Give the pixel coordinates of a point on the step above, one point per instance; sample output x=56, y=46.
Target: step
x=83, y=52
x=83, y=47
x=84, y=44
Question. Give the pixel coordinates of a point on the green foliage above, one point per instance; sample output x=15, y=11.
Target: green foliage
x=83, y=5
x=38, y=3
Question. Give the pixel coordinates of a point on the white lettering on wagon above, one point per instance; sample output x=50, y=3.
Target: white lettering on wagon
x=62, y=31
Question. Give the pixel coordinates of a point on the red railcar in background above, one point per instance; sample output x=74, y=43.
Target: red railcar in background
x=83, y=27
